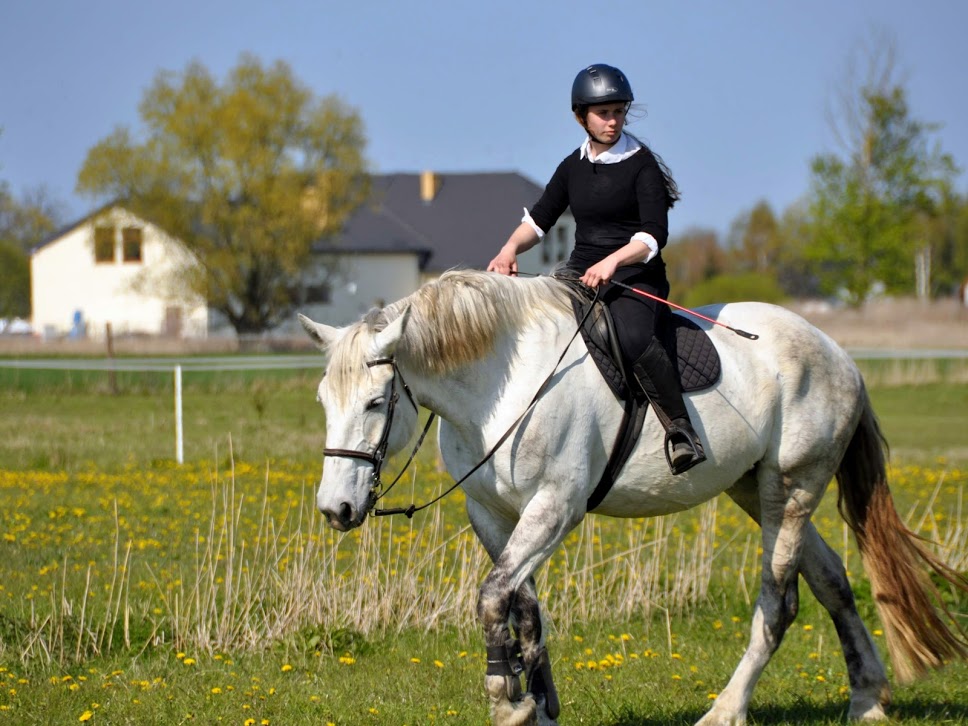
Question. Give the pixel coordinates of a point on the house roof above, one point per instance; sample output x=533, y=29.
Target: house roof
x=464, y=225
x=70, y=227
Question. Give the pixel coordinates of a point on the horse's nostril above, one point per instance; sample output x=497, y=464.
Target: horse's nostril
x=345, y=513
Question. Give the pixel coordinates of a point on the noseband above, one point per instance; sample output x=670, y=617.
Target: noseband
x=378, y=456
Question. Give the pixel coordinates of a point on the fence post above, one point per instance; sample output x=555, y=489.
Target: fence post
x=179, y=439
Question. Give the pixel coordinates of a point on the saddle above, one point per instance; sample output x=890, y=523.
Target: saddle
x=687, y=345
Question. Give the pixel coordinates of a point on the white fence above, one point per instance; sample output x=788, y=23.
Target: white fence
x=178, y=366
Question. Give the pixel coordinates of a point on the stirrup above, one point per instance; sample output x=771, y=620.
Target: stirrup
x=686, y=438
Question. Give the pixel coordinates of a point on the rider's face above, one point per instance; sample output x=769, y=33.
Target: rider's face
x=605, y=121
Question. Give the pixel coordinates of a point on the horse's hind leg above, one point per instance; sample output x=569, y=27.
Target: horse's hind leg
x=824, y=573
x=785, y=508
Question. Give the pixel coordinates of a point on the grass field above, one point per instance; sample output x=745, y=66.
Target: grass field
x=136, y=591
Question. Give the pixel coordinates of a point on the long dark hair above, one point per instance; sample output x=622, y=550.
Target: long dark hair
x=671, y=188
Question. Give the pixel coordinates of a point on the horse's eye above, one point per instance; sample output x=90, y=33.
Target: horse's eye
x=375, y=403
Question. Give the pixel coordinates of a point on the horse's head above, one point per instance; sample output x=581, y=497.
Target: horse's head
x=370, y=414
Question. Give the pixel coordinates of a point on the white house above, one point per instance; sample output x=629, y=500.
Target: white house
x=112, y=267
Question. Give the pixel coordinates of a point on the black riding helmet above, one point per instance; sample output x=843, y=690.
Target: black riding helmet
x=599, y=83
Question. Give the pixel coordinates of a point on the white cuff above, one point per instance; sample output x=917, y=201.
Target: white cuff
x=649, y=241
x=526, y=219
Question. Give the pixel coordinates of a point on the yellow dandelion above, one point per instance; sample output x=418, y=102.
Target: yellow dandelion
x=438, y=663
x=808, y=627
x=86, y=716
x=249, y=722
x=189, y=661
x=286, y=668
x=415, y=660
x=216, y=690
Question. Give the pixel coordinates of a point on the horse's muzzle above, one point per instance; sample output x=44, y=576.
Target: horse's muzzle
x=344, y=516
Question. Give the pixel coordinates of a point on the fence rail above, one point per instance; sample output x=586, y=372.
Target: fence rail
x=296, y=362
x=188, y=363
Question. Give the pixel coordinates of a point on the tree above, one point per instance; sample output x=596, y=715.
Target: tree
x=692, y=258
x=247, y=174
x=755, y=241
x=24, y=222
x=871, y=211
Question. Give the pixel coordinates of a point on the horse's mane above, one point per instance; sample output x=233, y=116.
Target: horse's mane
x=455, y=319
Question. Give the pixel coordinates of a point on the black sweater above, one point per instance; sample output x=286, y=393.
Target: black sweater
x=610, y=203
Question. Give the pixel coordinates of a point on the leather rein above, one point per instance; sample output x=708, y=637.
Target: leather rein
x=377, y=457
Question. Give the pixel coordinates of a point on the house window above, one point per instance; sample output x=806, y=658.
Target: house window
x=131, y=244
x=321, y=294
x=563, y=243
x=103, y=244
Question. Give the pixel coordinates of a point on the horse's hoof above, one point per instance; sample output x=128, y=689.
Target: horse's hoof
x=867, y=704
x=867, y=711
x=716, y=718
x=504, y=712
x=543, y=713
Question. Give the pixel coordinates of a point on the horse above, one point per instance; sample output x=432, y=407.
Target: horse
x=788, y=414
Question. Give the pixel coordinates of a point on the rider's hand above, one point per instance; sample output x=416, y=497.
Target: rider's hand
x=506, y=262
x=599, y=273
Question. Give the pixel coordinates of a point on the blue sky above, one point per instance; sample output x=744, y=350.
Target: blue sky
x=735, y=92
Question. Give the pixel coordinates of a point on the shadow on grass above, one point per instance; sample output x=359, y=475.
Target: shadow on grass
x=921, y=710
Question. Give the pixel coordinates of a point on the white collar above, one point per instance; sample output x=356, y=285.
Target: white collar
x=619, y=151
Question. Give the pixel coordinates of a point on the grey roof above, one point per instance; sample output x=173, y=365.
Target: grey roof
x=469, y=218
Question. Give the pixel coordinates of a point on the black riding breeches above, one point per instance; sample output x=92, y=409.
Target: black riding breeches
x=637, y=318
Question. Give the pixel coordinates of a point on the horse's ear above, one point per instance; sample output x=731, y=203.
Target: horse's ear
x=385, y=342
x=323, y=335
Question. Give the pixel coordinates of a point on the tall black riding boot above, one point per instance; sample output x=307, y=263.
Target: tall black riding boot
x=660, y=382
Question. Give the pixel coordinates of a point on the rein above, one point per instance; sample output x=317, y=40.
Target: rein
x=379, y=453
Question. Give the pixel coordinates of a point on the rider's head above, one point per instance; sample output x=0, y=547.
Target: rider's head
x=599, y=85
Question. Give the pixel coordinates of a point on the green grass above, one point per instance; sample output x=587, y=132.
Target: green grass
x=117, y=568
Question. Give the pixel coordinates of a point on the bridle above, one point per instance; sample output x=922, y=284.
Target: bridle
x=378, y=455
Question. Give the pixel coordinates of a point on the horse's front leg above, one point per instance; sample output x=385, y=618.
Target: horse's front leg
x=508, y=594
x=529, y=626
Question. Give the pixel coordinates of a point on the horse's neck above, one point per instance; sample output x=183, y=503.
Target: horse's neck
x=472, y=394
x=466, y=393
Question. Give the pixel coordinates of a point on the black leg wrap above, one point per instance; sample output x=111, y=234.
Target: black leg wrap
x=505, y=660
x=541, y=684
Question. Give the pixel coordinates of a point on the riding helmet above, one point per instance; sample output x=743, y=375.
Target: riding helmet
x=600, y=83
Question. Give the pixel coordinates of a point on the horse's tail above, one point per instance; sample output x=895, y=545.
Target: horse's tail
x=918, y=636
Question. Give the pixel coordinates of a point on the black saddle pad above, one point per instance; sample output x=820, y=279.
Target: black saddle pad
x=686, y=343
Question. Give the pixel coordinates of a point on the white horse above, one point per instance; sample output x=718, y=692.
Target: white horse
x=789, y=413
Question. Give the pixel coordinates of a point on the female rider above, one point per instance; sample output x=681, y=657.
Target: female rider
x=619, y=192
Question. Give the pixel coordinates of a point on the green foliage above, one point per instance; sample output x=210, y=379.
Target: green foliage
x=870, y=212
x=14, y=281
x=755, y=240
x=247, y=174
x=693, y=257
x=734, y=288
x=24, y=222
